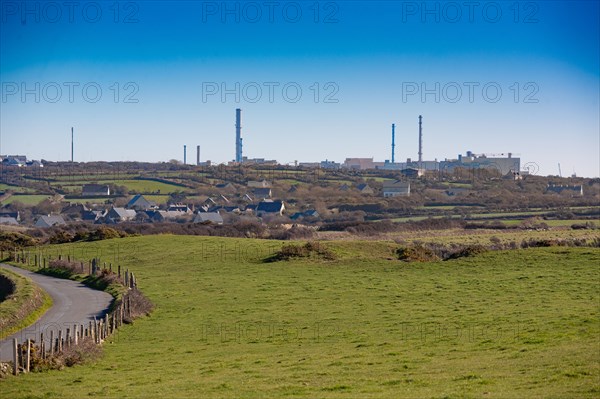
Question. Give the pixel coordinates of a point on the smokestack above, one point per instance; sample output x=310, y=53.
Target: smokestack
x=393, y=141
x=72, y=145
x=238, y=135
x=420, y=141
x=197, y=155
x=185, y=154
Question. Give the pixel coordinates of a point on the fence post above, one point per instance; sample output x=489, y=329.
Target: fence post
x=129, y=306
x=28, y=361
x=121, y=311
x=15, y=357
x=51, y=342
x=60, y=343
x=42, y=346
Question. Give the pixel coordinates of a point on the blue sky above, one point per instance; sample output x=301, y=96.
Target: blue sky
x=356, y=63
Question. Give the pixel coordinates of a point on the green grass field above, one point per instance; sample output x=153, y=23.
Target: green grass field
x=16, y=189
x=513, y=324
x=28, y=199
x=138, y=186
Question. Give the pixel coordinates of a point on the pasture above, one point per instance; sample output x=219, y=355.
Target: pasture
x=508, y=324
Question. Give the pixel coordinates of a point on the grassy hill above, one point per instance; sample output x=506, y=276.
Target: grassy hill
x=523, y=323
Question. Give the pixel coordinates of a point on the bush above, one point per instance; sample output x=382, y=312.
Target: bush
x=470, y=250
x=9, y=241
x=417, y=253
x=311, y=249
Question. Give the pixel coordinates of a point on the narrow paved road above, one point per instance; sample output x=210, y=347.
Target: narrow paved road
x=74, y=303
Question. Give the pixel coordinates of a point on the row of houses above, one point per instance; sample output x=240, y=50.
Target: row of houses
x=175, y=212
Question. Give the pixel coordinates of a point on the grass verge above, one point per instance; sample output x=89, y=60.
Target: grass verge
x=21, y=309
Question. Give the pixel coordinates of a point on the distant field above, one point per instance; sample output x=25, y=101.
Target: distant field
x=16, y=189
x=516, y=324
x=157, y=199
x=139, y=186
x=86, y=200
x=32, y=199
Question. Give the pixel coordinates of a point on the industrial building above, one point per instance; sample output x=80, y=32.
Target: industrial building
x=503, y=163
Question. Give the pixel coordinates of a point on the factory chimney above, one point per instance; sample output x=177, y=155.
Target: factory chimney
x=393, y=141
x=72, y=145
x=185, y=154
x=197, y=155
x=238, y=135
x=420, y=142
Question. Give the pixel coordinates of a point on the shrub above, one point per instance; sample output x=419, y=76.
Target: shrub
x=470, y=250
x=311, y=249
x=417, y=253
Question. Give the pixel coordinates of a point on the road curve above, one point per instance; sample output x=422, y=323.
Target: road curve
x=74, y=303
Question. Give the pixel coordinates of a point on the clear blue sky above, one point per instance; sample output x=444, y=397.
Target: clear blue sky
x=158, y=65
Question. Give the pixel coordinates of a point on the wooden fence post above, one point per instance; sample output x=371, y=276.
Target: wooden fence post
x=42, y=346
x=28, y=361
x=68, y=338
x=59, y=341
x=51, y=342
x=15, y=357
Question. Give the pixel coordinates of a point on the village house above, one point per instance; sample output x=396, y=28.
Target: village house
x=49, y=221
x=138, y=202
x=95, y=190
x=576, y=190
x=8, y=220
x=118, y=215
x=259, y=184
x=396, y=189
x=365, y=188
x=265, y=208
x=208, y=217
x=262, y=193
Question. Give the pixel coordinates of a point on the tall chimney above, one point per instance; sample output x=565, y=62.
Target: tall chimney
x=185, y=154
x=72, y=145
x=393, y=141
x=197, y=155
x=238, y=135
x=420, y=142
